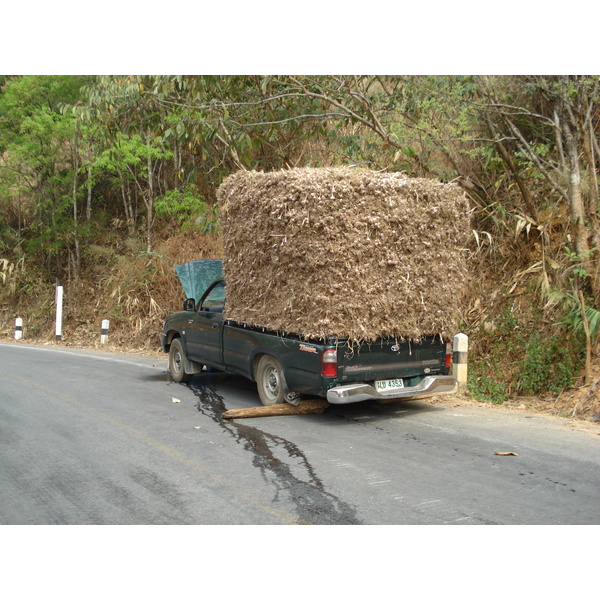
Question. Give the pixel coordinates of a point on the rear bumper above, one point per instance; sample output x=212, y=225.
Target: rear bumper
x=359, y=392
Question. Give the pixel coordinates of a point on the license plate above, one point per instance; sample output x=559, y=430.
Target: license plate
x=385, y=385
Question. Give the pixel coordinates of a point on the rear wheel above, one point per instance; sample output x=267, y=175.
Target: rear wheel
x=270, y=381
x=176, y=362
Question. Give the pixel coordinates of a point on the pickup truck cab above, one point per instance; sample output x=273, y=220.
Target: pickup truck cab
x=286, y=366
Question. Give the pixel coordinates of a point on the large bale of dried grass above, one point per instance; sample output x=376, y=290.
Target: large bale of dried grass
x=343, y=252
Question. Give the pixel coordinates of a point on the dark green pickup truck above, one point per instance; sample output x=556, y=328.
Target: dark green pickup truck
x=285, y=366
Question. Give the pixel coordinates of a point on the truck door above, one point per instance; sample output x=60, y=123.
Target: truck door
x=204, y=330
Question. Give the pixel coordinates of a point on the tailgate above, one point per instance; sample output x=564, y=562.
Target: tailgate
x=391, y=359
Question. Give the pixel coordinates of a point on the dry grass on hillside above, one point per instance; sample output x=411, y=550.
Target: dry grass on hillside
x=134, y=290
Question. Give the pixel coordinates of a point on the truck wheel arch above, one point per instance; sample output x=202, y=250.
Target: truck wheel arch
x=189, y=368
x=254, y=364
x=270, y=380
x=177, y=362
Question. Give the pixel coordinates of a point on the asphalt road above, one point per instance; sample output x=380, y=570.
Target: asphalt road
x=88, y=437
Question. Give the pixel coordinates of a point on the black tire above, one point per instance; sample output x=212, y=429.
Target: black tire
x=270, y=381
x=177, y=362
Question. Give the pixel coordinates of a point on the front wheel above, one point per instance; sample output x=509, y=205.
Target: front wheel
x=270, y=381
x=176, y=362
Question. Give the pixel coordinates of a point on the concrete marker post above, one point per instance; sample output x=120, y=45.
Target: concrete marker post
x=18, y=328
x=104, y=331
x=59, y=309
x=460, y=359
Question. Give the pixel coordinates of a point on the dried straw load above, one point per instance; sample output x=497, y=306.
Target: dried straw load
x=343, y=252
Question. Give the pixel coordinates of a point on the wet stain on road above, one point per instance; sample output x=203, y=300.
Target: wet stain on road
x=281, y=463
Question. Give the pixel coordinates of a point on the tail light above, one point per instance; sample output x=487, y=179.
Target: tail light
x=329, y=363
x=448, y=353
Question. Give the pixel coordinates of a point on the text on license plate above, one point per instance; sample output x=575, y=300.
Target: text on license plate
x=388, y=384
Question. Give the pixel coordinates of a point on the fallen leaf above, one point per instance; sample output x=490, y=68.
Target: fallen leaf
x=506, y=453
x=197, y=427
x=175, y=400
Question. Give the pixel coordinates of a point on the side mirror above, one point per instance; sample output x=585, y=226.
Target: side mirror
x=189, y=304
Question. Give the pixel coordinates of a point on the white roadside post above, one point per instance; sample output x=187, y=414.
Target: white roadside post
x=59, y=308
x=460, y=359
x=18, y=328
x=104, y=331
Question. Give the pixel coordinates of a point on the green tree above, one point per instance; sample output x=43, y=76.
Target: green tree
x=134, y=126
x=38, y=165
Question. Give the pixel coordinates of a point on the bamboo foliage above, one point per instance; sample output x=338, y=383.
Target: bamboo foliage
x=555, y=131
x=524, y=148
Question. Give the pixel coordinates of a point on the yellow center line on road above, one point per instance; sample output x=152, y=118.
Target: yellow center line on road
x=241, y=491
